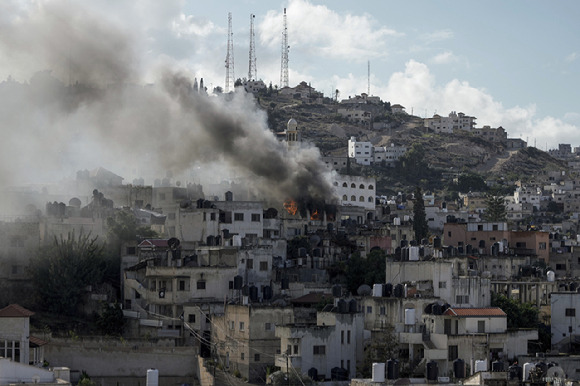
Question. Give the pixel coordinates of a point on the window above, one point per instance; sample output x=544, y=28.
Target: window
x=268, y=326
x=256, y=357
x=344, y=185
x=542, y=246
x=212, y=216
x=383, y=310
x=442, y=284
x=344, y=197
x=369, y=309
x=370, y=199
x=353, y=185
x=453, y=353
x=319, y=350
x=263, y=265
x=348, y=337
x=342, y=337
x=238, y=217
x=371, y=187
x=191, y=318
x=353, y=198
x=242, y=327
x=361, y=186
x=256, y=217
x=361, y=199
x=561, y=267
x=570, y=312
x=231, y=325
x=200, y=285
x=243, y=356
x=295, y=349
x=250, y=264
x=462, y=299
x=182, y=285
x=481, y=326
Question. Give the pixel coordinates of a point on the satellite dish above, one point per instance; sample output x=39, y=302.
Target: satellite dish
x=173, y=243
x=556, y=372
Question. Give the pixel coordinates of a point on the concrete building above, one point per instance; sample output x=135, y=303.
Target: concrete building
x=16, y=343
x=246, y=338
x=455, y=121
x=355, y=191
x=498, y=135
x=361, y=152
x=565, y=311
x=335, y=341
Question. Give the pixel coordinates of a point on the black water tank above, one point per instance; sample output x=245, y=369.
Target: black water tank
x=387, y=290
x=245, y=290
x=267, y=292
x=432, y=371
x=254, y=293
x=404, y=243
x=285, y=283
x=342, y=306
x=392, y=369
x=497, y=366
x=336, y=291
x=313, y=374
x=469, y=249
x=399, y=291
x=238, y=282
x=338, y=374
x=352, y=306
x=515, y=372
x=436, y=242
x=459, y=368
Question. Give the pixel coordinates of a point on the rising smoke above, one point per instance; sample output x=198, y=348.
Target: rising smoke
x=85, y=108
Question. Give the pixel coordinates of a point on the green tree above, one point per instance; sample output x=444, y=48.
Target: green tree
x=519, y=315
x=471, y=182
x=370, y=270
x=383, y=346
x=420, y=226
x=61, y=272
x=111, y=320
x=495, y=210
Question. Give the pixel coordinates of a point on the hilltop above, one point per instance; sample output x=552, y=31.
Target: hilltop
x=443, y=153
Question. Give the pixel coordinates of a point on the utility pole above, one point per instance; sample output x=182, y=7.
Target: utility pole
x=230, y=57
x=285, y=49
x=252, y=69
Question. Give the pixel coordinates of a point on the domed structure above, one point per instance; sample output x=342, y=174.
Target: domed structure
x=292, y=134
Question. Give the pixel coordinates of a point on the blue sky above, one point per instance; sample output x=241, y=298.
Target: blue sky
x=514, y=64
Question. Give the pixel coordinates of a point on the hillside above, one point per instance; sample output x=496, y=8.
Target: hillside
x=457, y=152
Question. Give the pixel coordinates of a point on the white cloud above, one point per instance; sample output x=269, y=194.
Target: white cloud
x=437, y=36
x=572, y=57
x=416, y=89
x=318, y=30
x=444, y=58
x=190, y=25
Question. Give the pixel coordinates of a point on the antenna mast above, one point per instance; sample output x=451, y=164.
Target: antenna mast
x=285, y=48
x=230, y=57
x=252, y=69
x=369, y=78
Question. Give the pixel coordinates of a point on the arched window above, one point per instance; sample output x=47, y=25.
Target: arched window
x=361, y=199
x=353, y=185
x=370, y=198
x=361, y=186
x=344, y=185
x=335, y=183
x=371, y=187
x=352, y=198
x=345, y=198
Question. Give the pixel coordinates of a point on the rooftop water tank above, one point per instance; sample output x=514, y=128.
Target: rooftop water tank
x=152, y=377
x=378, y=372
x=551, y=275
x=409, y=316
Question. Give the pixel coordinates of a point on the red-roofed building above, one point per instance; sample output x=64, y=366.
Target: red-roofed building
x=15, y=339
x=470, y=334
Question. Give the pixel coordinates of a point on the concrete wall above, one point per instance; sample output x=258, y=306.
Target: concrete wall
x=114, y=358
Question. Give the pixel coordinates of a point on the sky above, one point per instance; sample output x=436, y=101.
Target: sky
x=511, y=64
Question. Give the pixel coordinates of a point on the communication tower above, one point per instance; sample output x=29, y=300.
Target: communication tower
x=285, y=49
x=230, y=57
x=252, y=69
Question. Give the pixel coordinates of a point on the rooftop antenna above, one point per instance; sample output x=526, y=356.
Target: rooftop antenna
x=369, y=78
x=230, y=57
x=285, y=49
x=252, y=69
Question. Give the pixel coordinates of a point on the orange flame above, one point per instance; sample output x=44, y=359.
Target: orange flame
x=291, y=207
x=315, y=215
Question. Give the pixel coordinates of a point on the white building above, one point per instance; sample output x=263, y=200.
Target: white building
x=455, y=121
x=356, y=191
x=335, y=341
x=565, y=313
x=528, y=194
x=364, y=153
